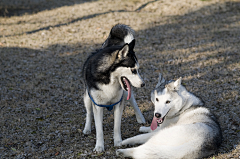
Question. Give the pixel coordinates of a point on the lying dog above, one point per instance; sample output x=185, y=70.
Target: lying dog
x=187, y=129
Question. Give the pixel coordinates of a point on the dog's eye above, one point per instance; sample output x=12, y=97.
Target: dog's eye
x=134, y=71
x=157, y=99
x=167, y=102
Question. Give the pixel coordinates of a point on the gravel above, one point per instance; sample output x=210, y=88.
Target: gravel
x=42, y=52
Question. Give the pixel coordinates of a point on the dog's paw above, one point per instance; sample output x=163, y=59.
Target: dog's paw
x=118, y=143
x=127, y=142
x=119, y=152
x=86, y=131
x=141, y=120
x=124, y=142
x=98, y=149
x=144, y=129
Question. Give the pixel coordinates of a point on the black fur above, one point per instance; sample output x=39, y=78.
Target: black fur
x=110, y=48
x=90, y=69
x=117, y=35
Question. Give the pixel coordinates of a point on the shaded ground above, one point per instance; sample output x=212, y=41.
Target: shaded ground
x=10, y=8
x=41, y=57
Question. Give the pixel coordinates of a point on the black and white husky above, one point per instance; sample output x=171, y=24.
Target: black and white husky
x=187, y=130
x=108, y=76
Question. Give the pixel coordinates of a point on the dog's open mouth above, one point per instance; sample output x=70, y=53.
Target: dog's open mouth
x=160, y=120
x=156, y=121
x=126, y=86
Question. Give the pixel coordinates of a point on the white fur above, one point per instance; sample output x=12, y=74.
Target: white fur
x=181, y=135
x=135, y=79
x=128, y=38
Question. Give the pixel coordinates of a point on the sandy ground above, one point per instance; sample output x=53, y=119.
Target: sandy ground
x=42, y=50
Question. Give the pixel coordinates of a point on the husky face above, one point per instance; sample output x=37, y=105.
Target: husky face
x=130, y=75
x=127, y=71
x=168, y=101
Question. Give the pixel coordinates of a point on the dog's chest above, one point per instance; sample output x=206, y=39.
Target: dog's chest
x=108, y=94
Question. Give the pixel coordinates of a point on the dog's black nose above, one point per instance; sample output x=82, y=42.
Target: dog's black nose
x=143, y=84
x=158, y=115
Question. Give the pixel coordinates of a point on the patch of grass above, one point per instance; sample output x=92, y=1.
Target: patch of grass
x=90, y=137
x=13, y=149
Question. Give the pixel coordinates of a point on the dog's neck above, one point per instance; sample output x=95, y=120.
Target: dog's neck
x=108, y=91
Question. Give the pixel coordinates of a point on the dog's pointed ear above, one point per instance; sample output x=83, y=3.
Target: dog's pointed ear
x=131, y=44
x=152, y=96
x=174, y=86
x=169, y=88
x=177, y=83
x=160, y=80
x=123, y=52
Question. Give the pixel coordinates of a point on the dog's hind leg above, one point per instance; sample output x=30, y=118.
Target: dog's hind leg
x=88, y=106
x=98, y=117
x=139, y=139
x=137, y=111
x=118, y=110
x=143, y=152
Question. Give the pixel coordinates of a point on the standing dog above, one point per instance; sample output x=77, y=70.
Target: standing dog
x=187, y=130
x=108, y=75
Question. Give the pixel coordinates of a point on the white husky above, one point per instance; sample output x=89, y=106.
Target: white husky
x=186, y=129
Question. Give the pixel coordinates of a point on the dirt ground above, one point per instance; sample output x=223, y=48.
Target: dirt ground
x=42, y=50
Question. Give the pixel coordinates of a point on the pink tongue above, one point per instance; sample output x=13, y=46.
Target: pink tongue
x=129, y=88
x=154, y=123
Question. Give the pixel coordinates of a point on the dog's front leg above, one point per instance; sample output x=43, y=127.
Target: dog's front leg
x=88, y=106
x=145, y=129
x=139, y=139
x=98, y=117
x=137, y=111
x=118, y=110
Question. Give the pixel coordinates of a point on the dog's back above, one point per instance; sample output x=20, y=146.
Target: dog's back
x=201, y=122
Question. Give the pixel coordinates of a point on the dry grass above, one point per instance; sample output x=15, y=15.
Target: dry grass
x=42, y=53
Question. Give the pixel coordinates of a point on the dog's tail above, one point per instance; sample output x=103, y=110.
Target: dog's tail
x=120, y=34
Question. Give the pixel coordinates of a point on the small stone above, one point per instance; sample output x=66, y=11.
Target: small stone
x=79, y=130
